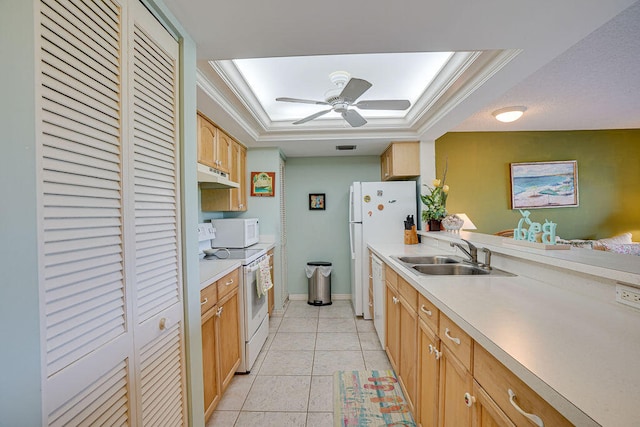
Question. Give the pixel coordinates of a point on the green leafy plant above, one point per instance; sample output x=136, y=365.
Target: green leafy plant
x=435, y=201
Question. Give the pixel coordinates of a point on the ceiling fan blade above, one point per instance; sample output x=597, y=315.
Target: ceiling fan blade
x=311, y=117
x=302, y=101
x=384, y=104
x=353, y=118
x=354, y=89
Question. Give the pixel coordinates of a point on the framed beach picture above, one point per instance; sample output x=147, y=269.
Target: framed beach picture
x=544, y=184
x=316, y=202
x=262, y=184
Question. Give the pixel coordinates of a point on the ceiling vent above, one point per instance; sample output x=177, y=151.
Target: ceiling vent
x=345, y=147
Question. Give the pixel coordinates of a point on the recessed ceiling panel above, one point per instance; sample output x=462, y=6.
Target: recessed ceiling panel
x=394, y=76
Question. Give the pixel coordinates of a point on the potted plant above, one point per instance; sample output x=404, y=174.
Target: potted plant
x=435, y=203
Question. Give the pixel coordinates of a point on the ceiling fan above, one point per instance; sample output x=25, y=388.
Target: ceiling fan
x=347, y=91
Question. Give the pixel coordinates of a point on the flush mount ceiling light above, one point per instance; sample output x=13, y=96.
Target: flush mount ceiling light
x=509, y=114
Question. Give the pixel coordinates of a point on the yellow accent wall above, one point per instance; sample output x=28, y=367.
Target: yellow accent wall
x=608, y=178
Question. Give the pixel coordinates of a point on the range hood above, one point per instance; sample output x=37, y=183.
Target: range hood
x=211, y=178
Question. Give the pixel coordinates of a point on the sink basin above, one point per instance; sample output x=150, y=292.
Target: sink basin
x=435, y=259
x=458, y=270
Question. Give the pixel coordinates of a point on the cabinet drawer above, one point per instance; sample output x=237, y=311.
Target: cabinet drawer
x=409, y=293
x=391, y=277
x=456, y=340
x=428, y=312
x=208, y=297
x=497, y=380
x=228, y=283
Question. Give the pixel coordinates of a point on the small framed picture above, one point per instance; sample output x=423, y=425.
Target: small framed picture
x=544, y=184
x=317, y=202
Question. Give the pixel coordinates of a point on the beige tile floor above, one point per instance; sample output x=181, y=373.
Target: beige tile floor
x=291, y=381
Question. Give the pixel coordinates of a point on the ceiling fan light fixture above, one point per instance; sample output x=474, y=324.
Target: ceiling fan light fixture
x=509, y=114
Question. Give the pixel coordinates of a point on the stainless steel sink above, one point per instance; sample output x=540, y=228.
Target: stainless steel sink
x=435, y=259
x=458, y=270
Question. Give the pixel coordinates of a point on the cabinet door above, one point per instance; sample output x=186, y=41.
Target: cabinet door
x=384, y=165
x=207, y=135
x=428, y=375
x=223, y=151
x=242, y=179
x=210, y=362
x=455, y=384
x=408, y=351
x=229, y=337
x=392, y=326
x=486, y=412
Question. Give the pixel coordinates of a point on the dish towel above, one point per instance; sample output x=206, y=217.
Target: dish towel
x=264, y=282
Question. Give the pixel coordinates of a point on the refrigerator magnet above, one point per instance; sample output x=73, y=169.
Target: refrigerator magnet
x=380, y=207
x=367, y=198
x=369, y=213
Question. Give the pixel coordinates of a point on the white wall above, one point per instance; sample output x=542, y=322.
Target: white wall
x=20, y=400
x=322, y=235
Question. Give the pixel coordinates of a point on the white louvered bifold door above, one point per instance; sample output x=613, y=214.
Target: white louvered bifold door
x=87, y=342
x=108, y=218
x=153, y=153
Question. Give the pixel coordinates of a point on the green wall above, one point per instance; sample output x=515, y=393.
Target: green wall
x=608, y=178
x=322, y=235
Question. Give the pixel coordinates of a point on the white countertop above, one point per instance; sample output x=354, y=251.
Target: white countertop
x=579, y=353
x=213, y=269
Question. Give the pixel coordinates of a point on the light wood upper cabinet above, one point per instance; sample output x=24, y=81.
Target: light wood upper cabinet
x=214, y=146
x=231, y=199
x=207, y=142
x=401, y=160
x=223, y=151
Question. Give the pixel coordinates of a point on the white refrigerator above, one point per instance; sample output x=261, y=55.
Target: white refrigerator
x=377, y=211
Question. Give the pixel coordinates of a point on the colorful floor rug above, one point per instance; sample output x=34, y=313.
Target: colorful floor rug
x=369, y=398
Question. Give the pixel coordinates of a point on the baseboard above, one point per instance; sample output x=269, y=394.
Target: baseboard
x=305, y=297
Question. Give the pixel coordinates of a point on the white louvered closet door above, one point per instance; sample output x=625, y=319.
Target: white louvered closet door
x=153, y=157
x=104, y=354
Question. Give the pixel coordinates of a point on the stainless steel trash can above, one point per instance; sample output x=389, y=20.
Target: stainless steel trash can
x=319, y=277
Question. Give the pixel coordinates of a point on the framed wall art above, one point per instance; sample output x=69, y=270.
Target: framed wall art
x=263, y=184
x=317, y=202
x=544, y=184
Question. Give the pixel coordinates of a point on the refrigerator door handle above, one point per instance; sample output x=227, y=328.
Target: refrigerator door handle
x=351, y=242
x=350, y=203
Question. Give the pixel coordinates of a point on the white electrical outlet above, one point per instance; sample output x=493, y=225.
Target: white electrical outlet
x=628, y=295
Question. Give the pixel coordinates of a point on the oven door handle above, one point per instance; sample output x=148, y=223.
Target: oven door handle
x=252, y=269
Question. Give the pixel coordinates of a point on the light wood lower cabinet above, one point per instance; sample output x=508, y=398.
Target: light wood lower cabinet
x=428, y=374
x=486, y=413
x=408, y=357
x=392, y=326
x=454, y=386
x=220, y=337
x=448, y=379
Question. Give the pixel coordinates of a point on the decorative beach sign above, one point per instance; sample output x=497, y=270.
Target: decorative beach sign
x=534, y=231
x=544, y=184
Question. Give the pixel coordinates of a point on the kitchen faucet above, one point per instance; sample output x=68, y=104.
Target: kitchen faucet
x=472, y=253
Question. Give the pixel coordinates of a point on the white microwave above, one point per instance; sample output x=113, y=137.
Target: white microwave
x=235, y=232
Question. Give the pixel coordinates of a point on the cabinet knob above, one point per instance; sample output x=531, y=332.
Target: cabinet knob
x=395, y=300
x=206, y=300
x=230, y=282
x=534, y=418
x=219, y=312
x=164, y=322
x=469, y=400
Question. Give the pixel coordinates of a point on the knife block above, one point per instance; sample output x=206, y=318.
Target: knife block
x=411, y=236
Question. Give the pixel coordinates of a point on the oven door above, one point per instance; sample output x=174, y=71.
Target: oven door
x=255, y=308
